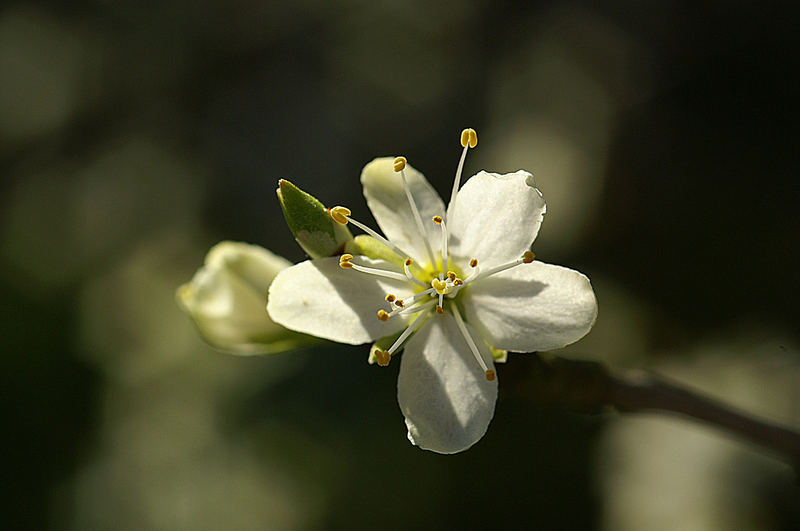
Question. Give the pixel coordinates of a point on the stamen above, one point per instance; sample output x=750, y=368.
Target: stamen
x=469, y=138
x=345, y=262
x=439, y=309
x=412, y=309
x=390, y=298
x=383, y=315
x=463, y=329
x=382, y=357
x=401, y=163
x=415, y=298
x=409, y=276
x=452, y=276
x=439, y=221
x=341, y=215
x=407, y=332
x=526, y=258
x=476, y=271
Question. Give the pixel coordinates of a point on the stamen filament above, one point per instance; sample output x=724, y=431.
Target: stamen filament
x=412, y=309
x=526, y=258
x=409, y=276
x=417, y=217
x=407, y=332
x=387, y=243
x=463, y=329
x=345, y=262
x=439, y=221
x=413, y=299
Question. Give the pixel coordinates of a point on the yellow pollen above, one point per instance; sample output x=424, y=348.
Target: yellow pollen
x=439, y=310
x=451, y=276
x=390, y=298
x=382, y=357
x=489, y=374
x=399, y=302
x=469, y=137
x=437, y=219
x=400, y=164
x=344, y=261
x=338, y=214
x=409, y=261
x=528, y=257
x=473, y=262
x=382, y=315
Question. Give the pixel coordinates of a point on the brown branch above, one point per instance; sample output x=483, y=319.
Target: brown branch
x=589, y=386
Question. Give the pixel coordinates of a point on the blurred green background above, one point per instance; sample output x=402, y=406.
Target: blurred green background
x=135, y=135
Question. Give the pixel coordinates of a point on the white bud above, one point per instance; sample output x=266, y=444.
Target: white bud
x=227, y=300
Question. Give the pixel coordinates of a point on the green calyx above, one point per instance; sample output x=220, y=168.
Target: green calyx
x=310, y=223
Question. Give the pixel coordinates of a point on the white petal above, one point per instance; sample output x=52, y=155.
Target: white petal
x=387, y=200
x=442, y=391
x=496, y=217
x=226, y=299
x=320, y=298
x=531, y=307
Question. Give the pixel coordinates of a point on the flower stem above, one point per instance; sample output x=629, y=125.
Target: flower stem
x=588, y=385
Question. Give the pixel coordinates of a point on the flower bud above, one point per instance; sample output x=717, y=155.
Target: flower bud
x=310, y=223
x=227, y=300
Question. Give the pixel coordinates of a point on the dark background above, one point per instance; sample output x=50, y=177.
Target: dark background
x=135, y=135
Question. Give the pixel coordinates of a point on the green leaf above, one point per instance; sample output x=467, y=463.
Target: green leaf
x=310, y=223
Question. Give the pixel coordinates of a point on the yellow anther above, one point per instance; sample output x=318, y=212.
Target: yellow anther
x=528, y=257
x=344, y=261
x=451, y=276
x=438, y=220
x=382, y=315
x=439, y=310
x=382, y=357
x=458, y=282
x=390, y=298
x=409, y=261
x=338, y=214
x=473, y=262
x=489, y=373
x=400, y=164
x=399, y=302
x=469, y=137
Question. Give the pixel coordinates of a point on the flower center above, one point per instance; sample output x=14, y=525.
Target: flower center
x=433, y=283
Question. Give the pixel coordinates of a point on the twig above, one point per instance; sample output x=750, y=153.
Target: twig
x=587, y=385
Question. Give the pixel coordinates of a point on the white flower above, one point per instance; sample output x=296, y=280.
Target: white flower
x=226, y=298
x=459, y=280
